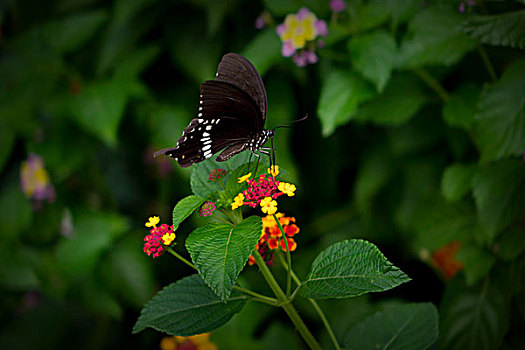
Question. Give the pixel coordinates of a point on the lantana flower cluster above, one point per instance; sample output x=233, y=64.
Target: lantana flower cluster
x=263, y=192
x=272, y=237
x=444, y=259
x=34, y=180
x=298, y=34
x=159, y=237
x=194, y=342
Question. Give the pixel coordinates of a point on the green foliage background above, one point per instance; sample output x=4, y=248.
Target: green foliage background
x=415, y=139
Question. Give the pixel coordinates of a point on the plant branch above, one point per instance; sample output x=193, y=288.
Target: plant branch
x=488, y=65
x=284, y=302
x=432, y=83
x=180, y=257
x=288, y=258
x=315, y=305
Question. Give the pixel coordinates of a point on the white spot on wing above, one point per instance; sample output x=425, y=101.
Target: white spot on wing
x=208, y=127
x=205, y=134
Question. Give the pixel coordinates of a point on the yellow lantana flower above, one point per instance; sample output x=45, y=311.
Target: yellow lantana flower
x=153, y=221
x=245, y=177
x=168, y=238
x=237, y=201
x=269, y=206
x=273, y=170
x=287, y=188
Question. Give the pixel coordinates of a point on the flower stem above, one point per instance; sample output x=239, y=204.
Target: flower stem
x=316, y=307
x=288, y=258
x=488, y=65
x=178, y=256
x=432, y=83
x=257, y=296
x=285, y=302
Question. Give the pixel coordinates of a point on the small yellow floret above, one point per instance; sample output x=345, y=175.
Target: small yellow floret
x=273, y=170
x=287, y=188
x=154, y=220
x=245, y=177
x=237, y=201
x=269, y=206
x=168, y=238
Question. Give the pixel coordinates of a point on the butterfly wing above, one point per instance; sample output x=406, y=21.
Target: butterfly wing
x=237, y=70
x=227, y=118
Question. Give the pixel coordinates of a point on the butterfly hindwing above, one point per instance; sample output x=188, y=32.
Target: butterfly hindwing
x=225, y=118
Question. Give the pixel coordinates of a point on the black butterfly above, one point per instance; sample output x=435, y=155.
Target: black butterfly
x=231, y=116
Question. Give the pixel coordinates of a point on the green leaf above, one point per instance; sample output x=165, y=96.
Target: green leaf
x=16, y=212
x=476, y=263
x=7, y=141
x=264, y=50
x=460, y=109
x=500, y=127
x=94, y=233
x=200, y=183
x=282, y=7
x=136, y=62
x=68, y=34
x=510, y=244
x=399, y=327
x=457, y=181
x=188, y=307
x=350, y=268
x=184, y=208
x=368, y=16
x=434, y=38
x=220, y=251
x=341, y=94
x=506, y=29
x=401, y=100
x=129, y=272
x=498, y=189
x=99, y=108
x=438, y=222
x=472, y=318
x=374, y=55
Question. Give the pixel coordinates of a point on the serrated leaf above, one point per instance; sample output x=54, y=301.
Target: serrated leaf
x=341, y=94
x=434, y=38
x=472, y=318
x=374, y=55
x=399, y=327
x=351, y=268
x=401, y=100
x=187, y=307
x=220, y=251
x=457, y=181
x=460, y=109
x=498, y=189
x=99, y=108
x=500, y=126
x=184, y=208
x=506, y=29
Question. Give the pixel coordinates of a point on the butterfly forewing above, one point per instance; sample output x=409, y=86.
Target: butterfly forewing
x=232, y=111
x=237, y=70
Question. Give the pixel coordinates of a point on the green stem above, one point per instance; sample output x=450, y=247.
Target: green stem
x=432, y=83
x=288, y=258
x=180, y=257
x=259, y=297
x=316, y=307
x=285, y=303
x=488, y=65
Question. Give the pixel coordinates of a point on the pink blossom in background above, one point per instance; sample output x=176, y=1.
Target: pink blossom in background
x=337, y=5
x=321, y=27
x=34, y=180
x=287, y=49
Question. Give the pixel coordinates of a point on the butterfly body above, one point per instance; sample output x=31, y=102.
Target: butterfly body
x=231, y=116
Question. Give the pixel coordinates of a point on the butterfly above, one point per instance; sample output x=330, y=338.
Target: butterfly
x=231, y=116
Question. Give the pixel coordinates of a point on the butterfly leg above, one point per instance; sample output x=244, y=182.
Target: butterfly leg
x=249, y=162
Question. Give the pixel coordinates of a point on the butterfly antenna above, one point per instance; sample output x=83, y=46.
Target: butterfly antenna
x=292, y=122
